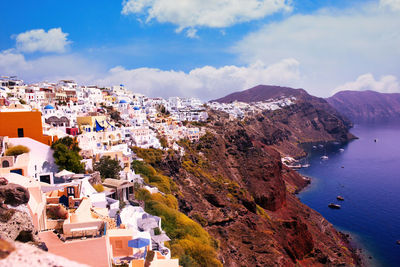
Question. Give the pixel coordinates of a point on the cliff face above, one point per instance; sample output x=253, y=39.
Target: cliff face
x=367, y=106
x=234, y=184
x=310, y=119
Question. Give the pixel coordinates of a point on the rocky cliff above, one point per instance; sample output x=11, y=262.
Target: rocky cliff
x=367, y=106
x=233, y=183
x=310, y=119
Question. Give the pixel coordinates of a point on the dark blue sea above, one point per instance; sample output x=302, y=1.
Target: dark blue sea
x=367, y=175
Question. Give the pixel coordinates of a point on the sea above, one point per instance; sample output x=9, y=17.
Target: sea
x=366, y=172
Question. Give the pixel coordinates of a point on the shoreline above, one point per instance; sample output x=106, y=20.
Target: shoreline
x=360, y=256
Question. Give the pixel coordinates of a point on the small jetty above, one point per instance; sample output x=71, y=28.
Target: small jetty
x=334, y=206
x=340, y=198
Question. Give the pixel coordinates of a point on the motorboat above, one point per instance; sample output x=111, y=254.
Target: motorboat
x=340, y=198
x=334, y=206
x=324, y=157
x=341, y=150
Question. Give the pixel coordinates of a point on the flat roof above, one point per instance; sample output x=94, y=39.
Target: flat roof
x=92, y=252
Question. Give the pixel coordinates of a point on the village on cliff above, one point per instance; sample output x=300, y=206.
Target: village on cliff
x=75, y=207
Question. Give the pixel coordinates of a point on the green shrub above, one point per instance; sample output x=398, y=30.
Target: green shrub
x=17, y=150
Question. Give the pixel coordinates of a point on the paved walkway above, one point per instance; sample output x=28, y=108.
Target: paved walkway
x=91, y=251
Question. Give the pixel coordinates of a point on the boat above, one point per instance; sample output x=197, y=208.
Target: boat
x=324, y=157
x=314, y=147
x=305, y=165
x=321, y=146
x=295, y=166
x=398, y=242
x=334, y=206
x=341, y=150
x=340, y=198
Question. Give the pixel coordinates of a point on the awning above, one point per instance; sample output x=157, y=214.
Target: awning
x=64, y=173
x=138, y=242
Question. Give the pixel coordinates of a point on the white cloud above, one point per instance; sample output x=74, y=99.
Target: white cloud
x=50, y=68
x=204, y=13
x=333, y=46
x=391, y=4
x=192, y=33
x=386, y=84
x=206, y=82
x=54, y=40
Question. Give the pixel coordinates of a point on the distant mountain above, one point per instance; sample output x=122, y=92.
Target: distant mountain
x=263, y=92
x=367, y=106
x=310, y=119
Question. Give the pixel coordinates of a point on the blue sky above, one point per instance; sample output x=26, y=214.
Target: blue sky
x=205, y=48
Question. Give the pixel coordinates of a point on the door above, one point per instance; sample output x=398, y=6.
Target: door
x=20, y=132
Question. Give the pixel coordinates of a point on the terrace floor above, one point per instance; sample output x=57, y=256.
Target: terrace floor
x=91, y=251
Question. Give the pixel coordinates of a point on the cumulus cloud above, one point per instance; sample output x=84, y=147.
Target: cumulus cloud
x=206, y=82
x=333, y=46
x=386, y=84
x=54, y=40
x=391, y=4
x=50, y=68
x=204, y=13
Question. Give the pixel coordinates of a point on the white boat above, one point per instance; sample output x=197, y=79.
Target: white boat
x=341, y=150
x=305, y=165
x=324, y=157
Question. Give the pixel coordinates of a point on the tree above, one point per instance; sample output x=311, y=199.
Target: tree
x=108, y=167
x=66, y=155
x=17, y=150
x=71, y=143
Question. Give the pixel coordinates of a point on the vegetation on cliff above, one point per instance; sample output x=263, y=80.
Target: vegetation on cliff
x=189, y=241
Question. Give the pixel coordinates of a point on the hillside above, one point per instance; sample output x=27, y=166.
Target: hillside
x=311, y=119
x=236, y=187
x=367, y=106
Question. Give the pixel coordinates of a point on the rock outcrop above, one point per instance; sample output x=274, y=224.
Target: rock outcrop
x=15, y=220
x=367, y=106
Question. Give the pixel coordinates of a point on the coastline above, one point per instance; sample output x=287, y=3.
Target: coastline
x=360, y=254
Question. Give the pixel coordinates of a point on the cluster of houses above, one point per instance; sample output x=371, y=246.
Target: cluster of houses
x=77, y=210
x=240, y=110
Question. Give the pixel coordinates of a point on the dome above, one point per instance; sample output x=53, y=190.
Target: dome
x=49, y=107
x=123, y=101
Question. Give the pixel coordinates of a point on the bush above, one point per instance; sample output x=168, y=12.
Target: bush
x=187, y=237
x=108, y=167
x=152, y=177
x=17, y=150
x=57, y=212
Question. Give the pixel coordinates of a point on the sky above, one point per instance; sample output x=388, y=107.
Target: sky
x=205, y=48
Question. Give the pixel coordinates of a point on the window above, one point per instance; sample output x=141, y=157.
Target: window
x=5, y=164
x=20, y=132
x=118, y=244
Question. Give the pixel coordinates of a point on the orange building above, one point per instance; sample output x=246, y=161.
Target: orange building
x=23, y=124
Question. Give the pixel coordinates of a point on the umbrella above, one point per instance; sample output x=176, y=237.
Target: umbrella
x=64, y=173
x=138, y=242
x=147, y=224
x=160, y=238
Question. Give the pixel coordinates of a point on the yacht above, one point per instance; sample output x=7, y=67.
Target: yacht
x=324, y=157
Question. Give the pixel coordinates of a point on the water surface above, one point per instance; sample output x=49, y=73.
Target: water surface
x=367, y=175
